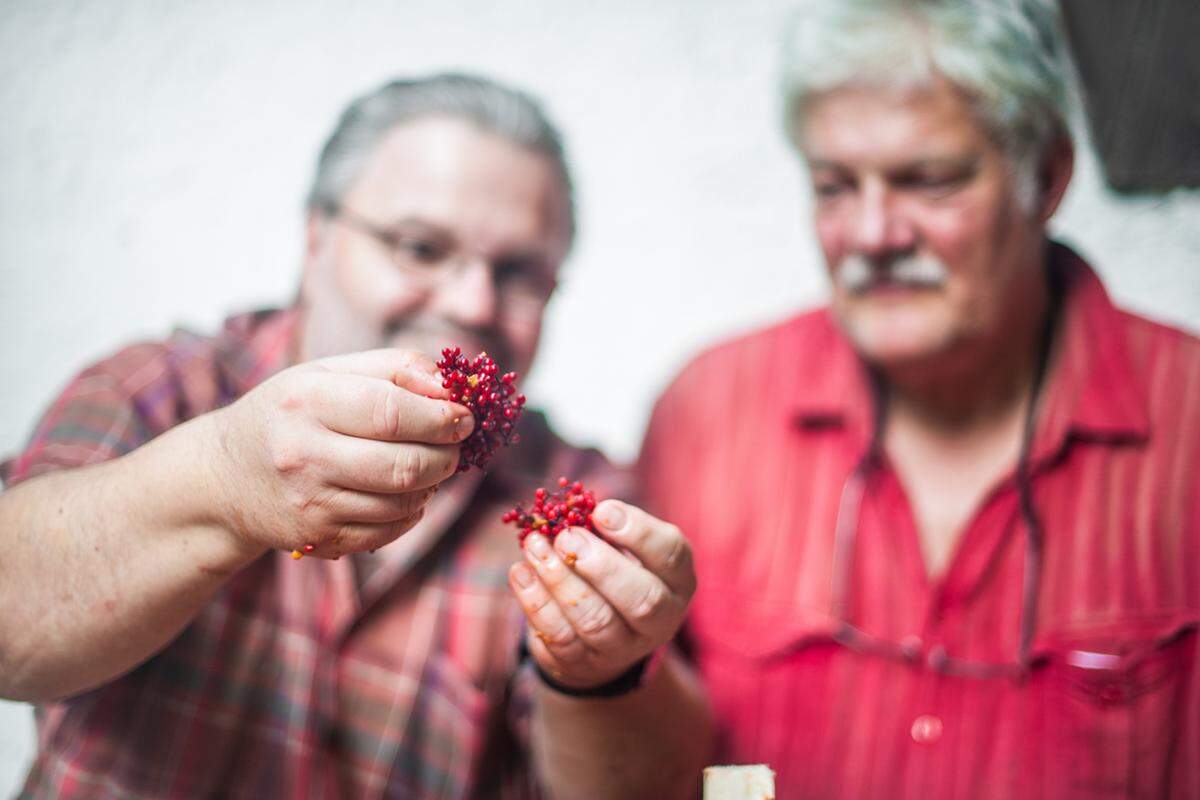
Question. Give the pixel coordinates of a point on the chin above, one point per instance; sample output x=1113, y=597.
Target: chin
x=898, y=343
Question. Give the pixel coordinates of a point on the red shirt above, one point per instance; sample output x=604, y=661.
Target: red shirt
x=752, y=452
x=297, y=680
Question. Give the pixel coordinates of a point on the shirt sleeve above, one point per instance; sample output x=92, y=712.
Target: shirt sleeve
x=98, y=417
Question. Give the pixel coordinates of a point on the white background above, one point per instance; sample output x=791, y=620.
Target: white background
x=154, y=157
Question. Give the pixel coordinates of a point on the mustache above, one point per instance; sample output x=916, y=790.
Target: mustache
x=858, y=273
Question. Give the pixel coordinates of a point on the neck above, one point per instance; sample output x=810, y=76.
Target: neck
x=988, y=385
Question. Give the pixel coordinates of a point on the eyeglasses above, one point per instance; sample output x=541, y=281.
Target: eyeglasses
x=432, y=259
x=910, y=649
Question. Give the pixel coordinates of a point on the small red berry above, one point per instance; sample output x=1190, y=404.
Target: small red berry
x=474, y=383
x=553, y=512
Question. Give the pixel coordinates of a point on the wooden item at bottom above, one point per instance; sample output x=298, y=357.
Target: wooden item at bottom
x=756, y=782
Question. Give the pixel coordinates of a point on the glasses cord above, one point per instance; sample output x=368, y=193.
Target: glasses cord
x=856, y=484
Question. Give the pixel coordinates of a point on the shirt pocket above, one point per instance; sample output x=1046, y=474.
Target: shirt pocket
x=1114, y=693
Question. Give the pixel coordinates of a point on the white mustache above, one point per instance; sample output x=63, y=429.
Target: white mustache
x=857, y=273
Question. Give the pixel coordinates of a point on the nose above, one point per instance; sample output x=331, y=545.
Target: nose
x=469, y=297
x=879, y=227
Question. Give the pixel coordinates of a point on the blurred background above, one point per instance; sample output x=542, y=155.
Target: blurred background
x=154, y=159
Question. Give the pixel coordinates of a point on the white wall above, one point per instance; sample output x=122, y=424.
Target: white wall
x=154, y=157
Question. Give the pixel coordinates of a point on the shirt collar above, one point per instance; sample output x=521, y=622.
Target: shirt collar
x=1091, y=391
x=833, y=385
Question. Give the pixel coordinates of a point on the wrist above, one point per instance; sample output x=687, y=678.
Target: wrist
x=635, y=676
x=198, y=472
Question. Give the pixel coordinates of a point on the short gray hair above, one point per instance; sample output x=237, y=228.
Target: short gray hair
x=494, y=108
x=1007, y=55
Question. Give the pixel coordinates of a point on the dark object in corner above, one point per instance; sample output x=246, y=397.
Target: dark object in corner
x=1140, y=68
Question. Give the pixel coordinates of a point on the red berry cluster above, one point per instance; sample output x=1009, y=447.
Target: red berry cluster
x=474, y=383
x=554, y=512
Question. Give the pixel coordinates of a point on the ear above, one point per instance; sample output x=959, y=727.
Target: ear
x=1054, y=175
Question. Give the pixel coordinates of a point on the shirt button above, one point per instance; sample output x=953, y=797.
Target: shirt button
x=926, y=729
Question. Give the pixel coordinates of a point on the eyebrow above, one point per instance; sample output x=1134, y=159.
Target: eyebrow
x=420, y=222
x=961, y=162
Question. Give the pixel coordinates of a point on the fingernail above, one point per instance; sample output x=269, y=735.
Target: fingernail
x=610, y=515
x=537, y=544
x=522, y=576
x=464, y=425
x=572, y=543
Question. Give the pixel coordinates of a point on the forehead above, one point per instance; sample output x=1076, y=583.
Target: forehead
x=870, y=125
x=450, y=173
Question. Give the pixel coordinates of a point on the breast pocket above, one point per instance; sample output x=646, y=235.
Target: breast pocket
x=1113, y=705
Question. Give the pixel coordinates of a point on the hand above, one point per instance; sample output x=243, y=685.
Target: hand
x=594, y=611
x=340, y=453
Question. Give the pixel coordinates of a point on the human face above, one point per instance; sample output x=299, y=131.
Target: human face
x=442, y=185
x=931, y=254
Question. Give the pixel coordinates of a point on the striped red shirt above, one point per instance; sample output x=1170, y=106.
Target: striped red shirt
x=295, y=681
x=913, y=687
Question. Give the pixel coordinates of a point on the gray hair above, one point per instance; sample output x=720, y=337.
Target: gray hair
x=1006, y=55
x=496, y=109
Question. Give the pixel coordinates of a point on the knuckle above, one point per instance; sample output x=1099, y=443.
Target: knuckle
x=595, y=620
x=409, y=465
x=388, y=417
x=289, y=392
x=287, y=457
x=447, y=458
x=679, y=552
x=304, y=502
x=538, y=604
x=308, y=504
x=290, y=399
x=650, y=605
x=561, y=637
x=406, y=505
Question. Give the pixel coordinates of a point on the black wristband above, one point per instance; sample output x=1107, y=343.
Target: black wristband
x=624, y=683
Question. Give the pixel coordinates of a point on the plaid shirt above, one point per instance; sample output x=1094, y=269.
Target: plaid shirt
x=294, y=681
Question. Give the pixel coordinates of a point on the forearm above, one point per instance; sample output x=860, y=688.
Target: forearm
x=651, y=743
x=102, y=566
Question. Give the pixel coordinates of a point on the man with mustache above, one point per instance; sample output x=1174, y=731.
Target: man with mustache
x=152, y=606
x=947, y=531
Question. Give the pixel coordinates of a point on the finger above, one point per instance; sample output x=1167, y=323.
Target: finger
x=376, y=409
x=660, y=546
x=640, y=597
x=589, y=613
x=544, y=656
x=371, y=508
x=548, y=624
x=385, y=467
x=356, y=538
x=408, y=369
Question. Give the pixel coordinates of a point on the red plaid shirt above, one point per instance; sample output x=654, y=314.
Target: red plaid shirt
x=892, y=694
x=293, y=682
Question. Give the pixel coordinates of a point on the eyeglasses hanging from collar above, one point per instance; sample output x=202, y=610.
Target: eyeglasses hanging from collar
x=846, y=532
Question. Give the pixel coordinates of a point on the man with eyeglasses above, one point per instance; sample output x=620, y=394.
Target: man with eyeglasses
x=153, y=605
x=947, y=531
